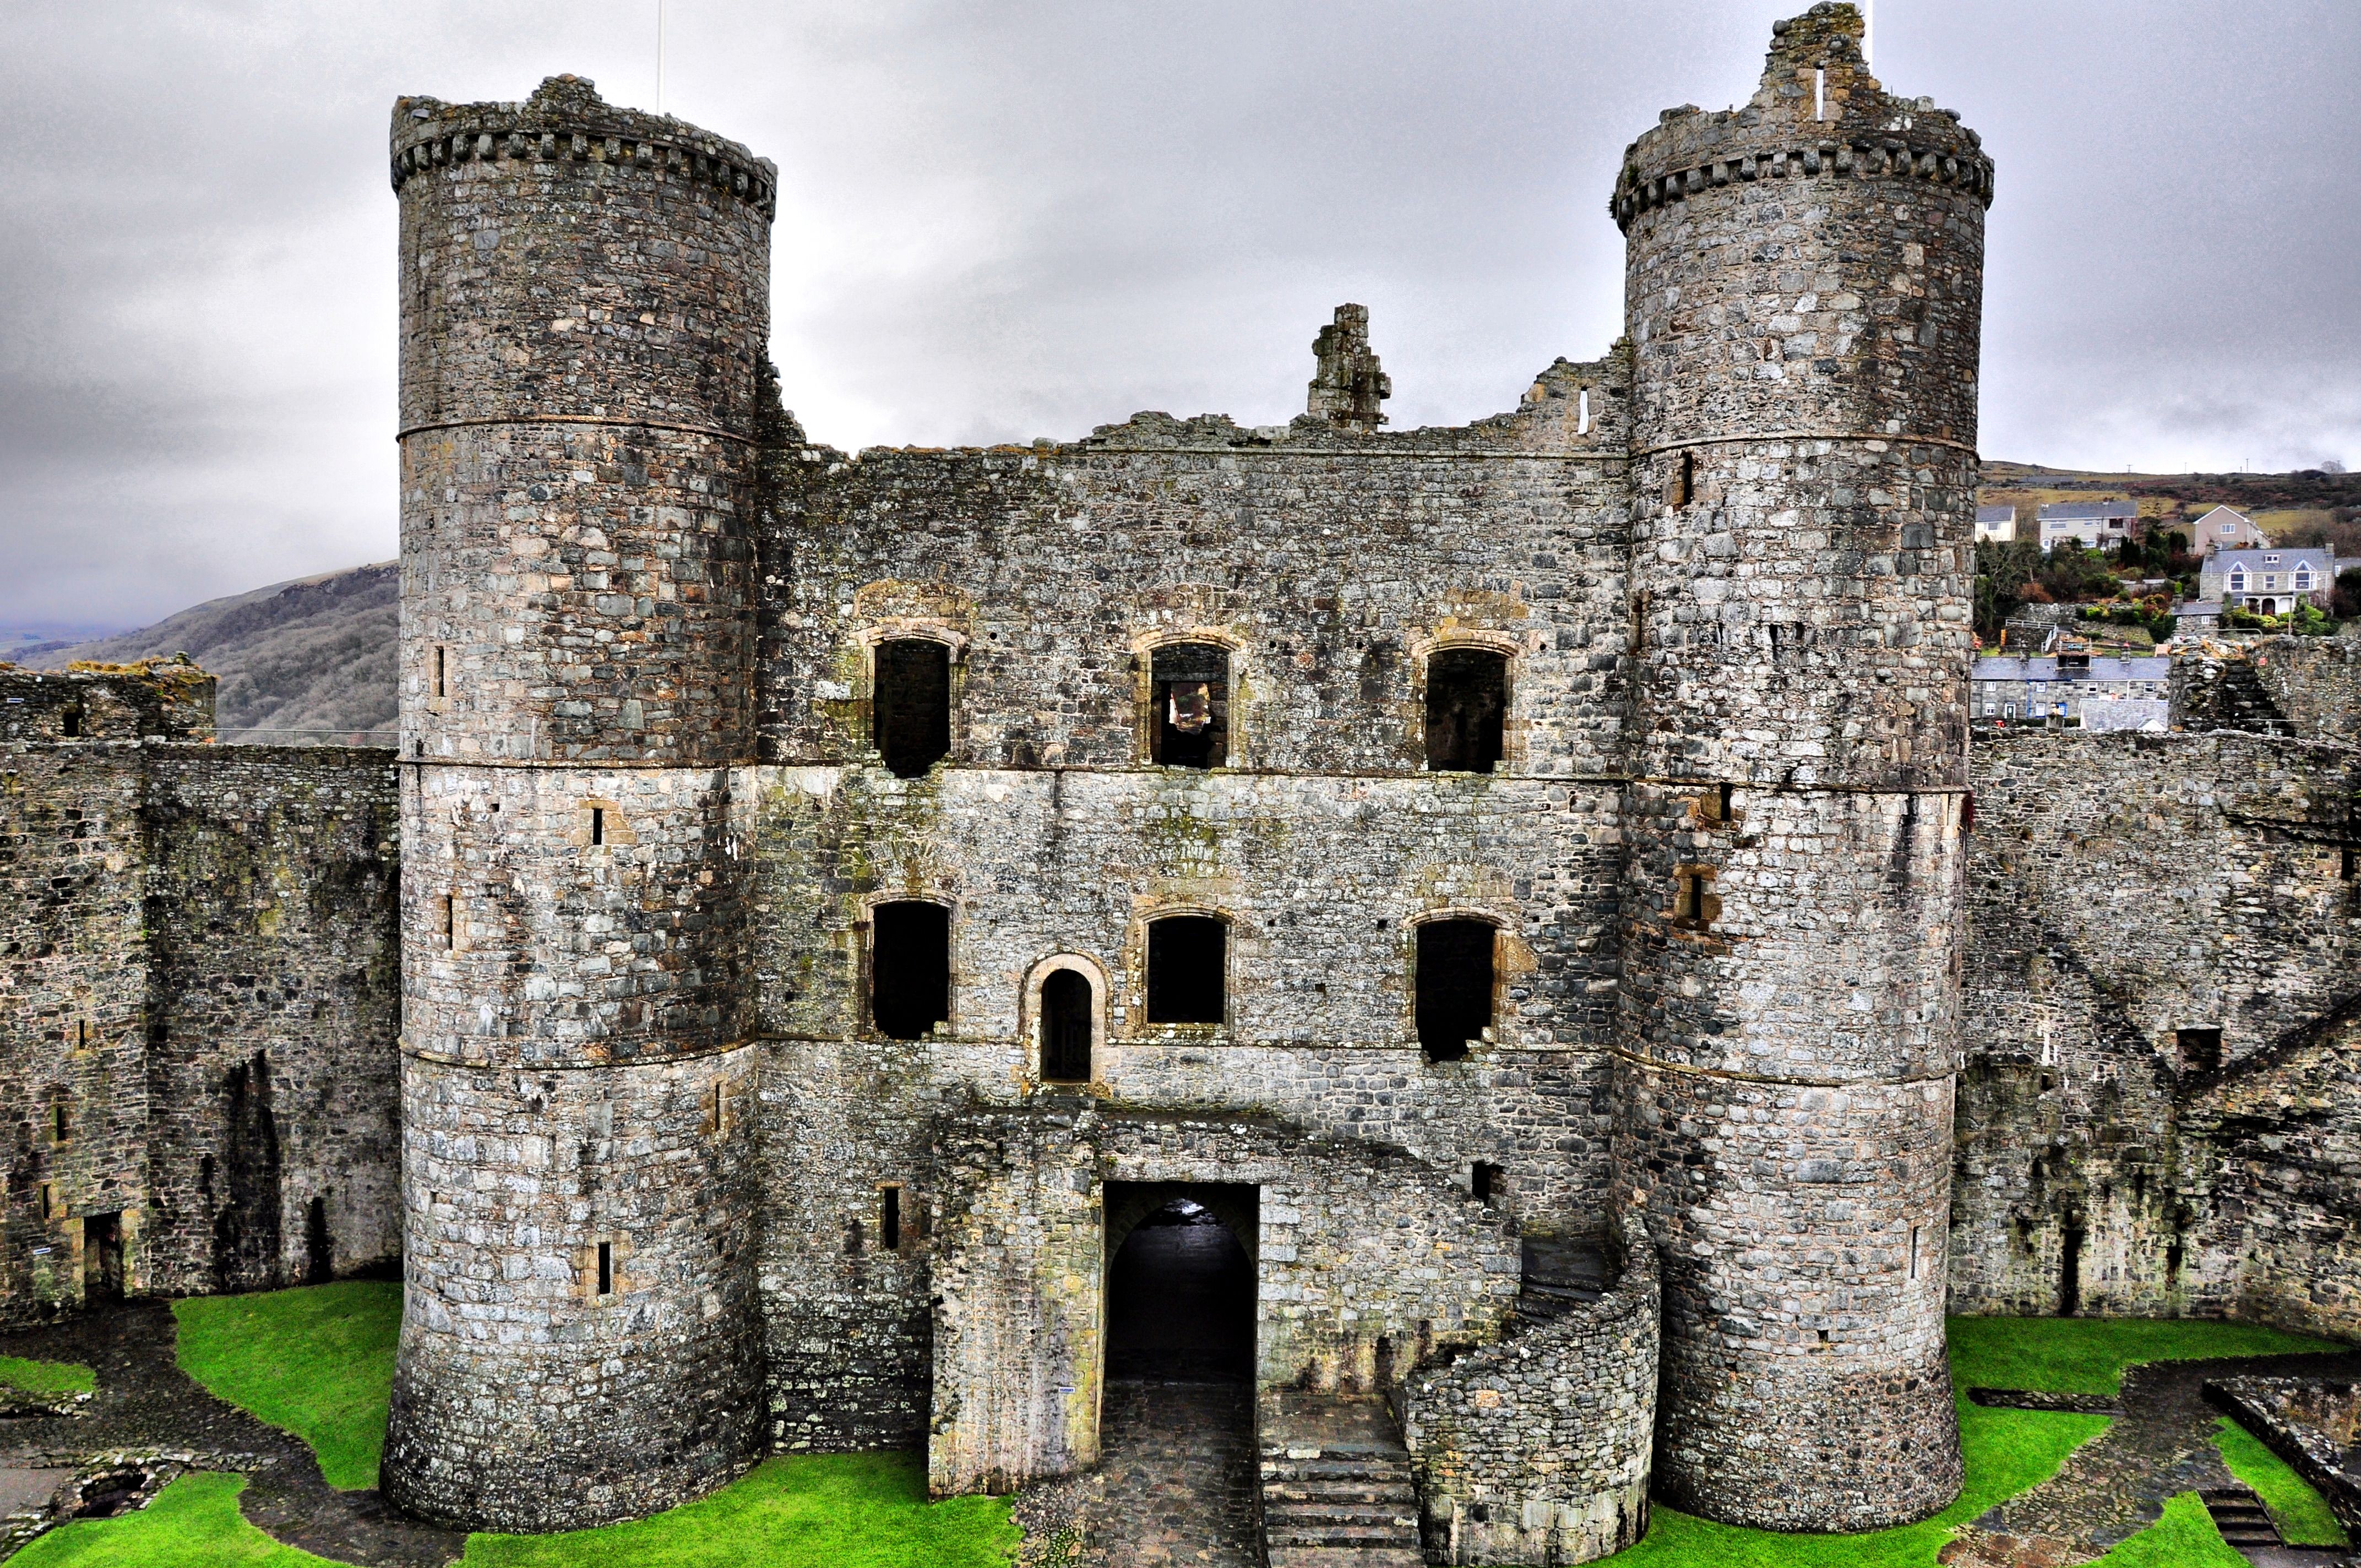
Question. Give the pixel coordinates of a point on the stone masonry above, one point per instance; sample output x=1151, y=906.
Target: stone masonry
x=832, y=898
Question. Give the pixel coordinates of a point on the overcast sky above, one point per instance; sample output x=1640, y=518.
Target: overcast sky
x=1005, y=221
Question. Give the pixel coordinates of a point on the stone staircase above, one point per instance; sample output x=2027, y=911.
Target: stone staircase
x=2237, y=699
x=2238, y=1515
x=1336, y=1489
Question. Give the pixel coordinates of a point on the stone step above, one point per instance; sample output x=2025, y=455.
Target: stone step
x=1346, y=1557
x=1333, y=1469
x=1339, y=1494
x=1384, y=1533
x=1304, y=1512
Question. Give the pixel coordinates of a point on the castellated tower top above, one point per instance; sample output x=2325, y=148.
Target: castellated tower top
x=566, y=120
x=1818, y=109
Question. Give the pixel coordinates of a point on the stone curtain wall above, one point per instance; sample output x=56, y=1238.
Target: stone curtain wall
x=2316, y=681
x=1535, y=1449
x=2125, y=887
x=160, y=699
x=274, y=1016
x=200, y=969
x=73, y=978
x=1328, y=563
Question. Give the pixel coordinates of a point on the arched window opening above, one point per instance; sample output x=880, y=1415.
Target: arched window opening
x=1467, y=709
x=910, y=710
x=1188, y=979
x=909, y=968
x=1191, y=725
x=1455, y=985
x=1066, y=1028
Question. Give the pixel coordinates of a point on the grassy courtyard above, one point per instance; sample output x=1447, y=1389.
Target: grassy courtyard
x=318, y=1362
x=45, y=1376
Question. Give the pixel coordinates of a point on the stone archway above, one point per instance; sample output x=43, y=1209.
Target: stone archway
x=1180, y=1275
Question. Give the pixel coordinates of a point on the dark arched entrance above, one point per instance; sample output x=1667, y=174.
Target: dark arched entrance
x=1180, y=1282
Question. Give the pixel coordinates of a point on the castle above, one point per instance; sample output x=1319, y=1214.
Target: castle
x=841, y=896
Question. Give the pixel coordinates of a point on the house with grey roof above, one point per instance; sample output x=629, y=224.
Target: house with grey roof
x=2072, y=691
x=2266, y=581
x=1996, y=525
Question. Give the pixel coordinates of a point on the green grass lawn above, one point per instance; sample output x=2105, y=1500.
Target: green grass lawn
x=2303, y=1519
x=840, y=1511
x=317, y=1362
x=843, y=1510
x=2087, y=1355
x=192, y=1523
x=47, y=1376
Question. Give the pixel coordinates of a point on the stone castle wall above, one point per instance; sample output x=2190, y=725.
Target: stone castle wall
x=200, y=974
x=2125, y=889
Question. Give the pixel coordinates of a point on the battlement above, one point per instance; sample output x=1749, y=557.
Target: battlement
x=565, y=121
x=161, y=699
x=1817, y=113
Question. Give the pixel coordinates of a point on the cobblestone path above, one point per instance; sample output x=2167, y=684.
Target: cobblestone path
x=1177, y=1480
x=146, y=1404
x=2114, y=1485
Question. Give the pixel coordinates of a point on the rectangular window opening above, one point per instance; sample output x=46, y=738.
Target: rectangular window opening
x=1454, y=985
x=909, y=968
x=81, y=1033
x=1915, y=1231
x=606, y=1268
x=449, y=920
x=2345, y=864
x=889, y=1218
x=1682, y=486
x=1190, y=691
x=1582, y=413
x=597, y=825
x=1188, y=961
x=71, y=720
x=2201, y=1049
x=441, y=661
x=1820, y=93
x=910, y=706
x=64, y=1123
x=1693, y=900
x=50, y=1209
x=1486, y=1180
x=1467, y=709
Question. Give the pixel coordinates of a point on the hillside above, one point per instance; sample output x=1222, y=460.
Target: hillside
x=306, y=662
x=2308, y=507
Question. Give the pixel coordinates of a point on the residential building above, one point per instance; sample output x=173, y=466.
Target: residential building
x=2085, y=691
x=2223, y=529
x=2269, y=582
x=1996, y=525
x=2095, y=525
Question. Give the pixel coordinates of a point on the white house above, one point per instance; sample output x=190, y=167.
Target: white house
x=1996, y=525
x=2096, y=525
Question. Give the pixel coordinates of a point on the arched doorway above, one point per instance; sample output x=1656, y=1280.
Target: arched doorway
x=1180, y=1287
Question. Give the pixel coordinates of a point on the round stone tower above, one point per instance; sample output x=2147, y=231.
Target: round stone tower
x=583, y=307
x=1802, y=290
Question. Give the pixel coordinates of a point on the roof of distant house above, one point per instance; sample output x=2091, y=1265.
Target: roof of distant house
x=2010, y=667
x=2088, y=511
x=2273, y=558
x=1996, y=514
x=2212, y=512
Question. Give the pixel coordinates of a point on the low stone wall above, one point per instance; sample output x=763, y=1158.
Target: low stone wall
x=1536, y=1449
x=2316, y=681
x=2313, y=1424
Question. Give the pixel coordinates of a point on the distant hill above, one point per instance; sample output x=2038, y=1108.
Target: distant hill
x=310, y=662
x=2309, y=506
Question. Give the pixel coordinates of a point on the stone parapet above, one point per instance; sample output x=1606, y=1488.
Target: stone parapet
x=1535, y=1449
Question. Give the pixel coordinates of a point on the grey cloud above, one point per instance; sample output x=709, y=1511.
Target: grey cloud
x=1005, y=221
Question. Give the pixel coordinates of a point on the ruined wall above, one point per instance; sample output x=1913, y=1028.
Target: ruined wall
x=197, y=972
x=1536, y=1449
x=2124, y=888
x=2316, y=681
x=274, y=957
x=1328, y=562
